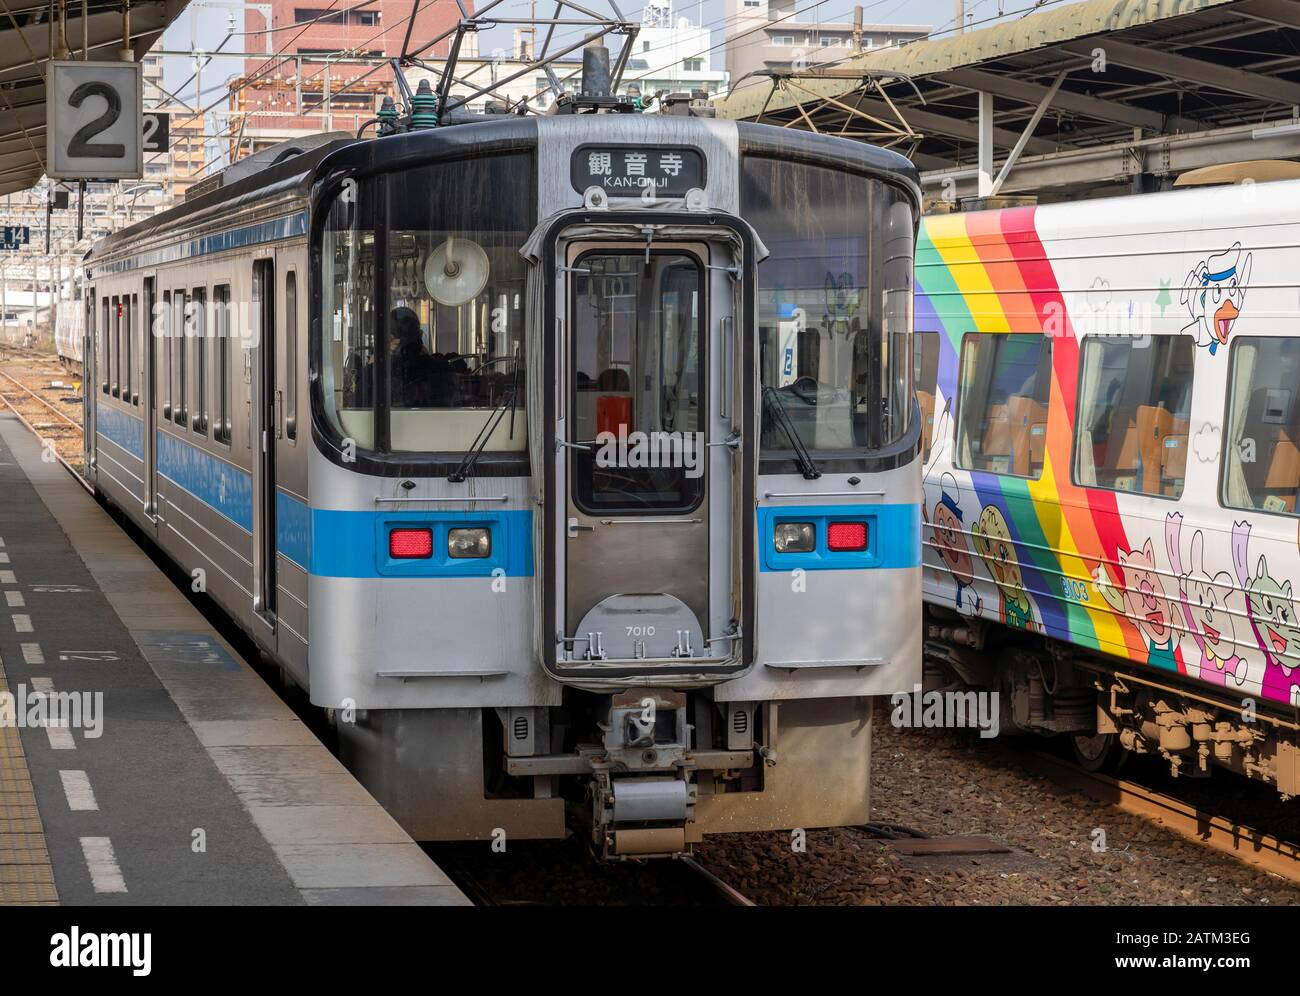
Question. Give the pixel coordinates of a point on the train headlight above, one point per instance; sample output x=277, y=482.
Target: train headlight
x=846, y=536
x=410, y=544
x=463, y=543
x=794, y=537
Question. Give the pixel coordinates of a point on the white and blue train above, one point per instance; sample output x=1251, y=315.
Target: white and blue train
x=571, y=461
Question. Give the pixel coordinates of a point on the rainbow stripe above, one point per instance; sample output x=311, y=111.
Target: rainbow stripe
x=988, y=272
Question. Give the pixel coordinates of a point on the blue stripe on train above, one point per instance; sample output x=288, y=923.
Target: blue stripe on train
x=344, y=544
x=893, y=537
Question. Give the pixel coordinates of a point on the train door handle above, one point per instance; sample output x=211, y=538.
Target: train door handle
x=576, y=527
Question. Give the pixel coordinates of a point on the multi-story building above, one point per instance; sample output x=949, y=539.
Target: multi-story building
x=312, y=83
x=765, y=34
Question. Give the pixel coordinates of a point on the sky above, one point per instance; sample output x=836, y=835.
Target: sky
x=208, y=22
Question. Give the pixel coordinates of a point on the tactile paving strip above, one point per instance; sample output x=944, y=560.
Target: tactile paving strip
x=26, y=875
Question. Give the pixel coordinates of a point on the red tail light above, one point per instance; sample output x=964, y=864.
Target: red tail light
x=410, y=544
x=846, y=536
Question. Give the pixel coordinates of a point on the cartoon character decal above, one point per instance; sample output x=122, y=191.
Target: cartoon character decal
x=1214, y=294
x=1271, y=615
x=950, y=541
x=1213, y=608
x=995, y=547
x=1141, y=597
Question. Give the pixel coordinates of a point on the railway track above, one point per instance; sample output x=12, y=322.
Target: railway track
x=55, y=421
x=1220, y=833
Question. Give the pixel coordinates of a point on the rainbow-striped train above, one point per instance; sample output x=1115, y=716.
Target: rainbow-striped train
x=1108, y=391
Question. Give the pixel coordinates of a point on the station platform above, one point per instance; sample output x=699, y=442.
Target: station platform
x=185, y=779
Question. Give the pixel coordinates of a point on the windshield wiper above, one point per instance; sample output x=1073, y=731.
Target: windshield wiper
x=802, y=458
x=466, y=465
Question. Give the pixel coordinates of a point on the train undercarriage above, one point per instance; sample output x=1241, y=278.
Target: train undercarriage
x=644, y=772
x=1108, y=707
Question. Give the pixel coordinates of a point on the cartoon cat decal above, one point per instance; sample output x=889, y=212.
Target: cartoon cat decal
x=1141, y=597
x=1214, y=611
x=1271, y=614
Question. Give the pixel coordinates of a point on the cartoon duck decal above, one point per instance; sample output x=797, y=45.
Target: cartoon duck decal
x=950, y=540
x=1214, y=294
x=995, y=547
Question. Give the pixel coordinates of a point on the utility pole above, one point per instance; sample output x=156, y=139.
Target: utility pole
x=960, y=16
x=857, y=28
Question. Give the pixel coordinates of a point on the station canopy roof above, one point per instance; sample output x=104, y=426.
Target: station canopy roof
x=25, y=46
x=1146, y=89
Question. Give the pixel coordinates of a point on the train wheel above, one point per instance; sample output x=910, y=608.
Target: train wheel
x=1098, y=752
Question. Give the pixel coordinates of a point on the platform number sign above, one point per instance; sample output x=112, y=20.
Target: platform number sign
x=157, y=131
x=93, y=121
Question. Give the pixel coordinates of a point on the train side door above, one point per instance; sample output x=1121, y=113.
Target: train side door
x=262, y=409
x=647, y=471
x=150, y=393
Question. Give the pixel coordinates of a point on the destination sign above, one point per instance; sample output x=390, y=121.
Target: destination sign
x=628, y=171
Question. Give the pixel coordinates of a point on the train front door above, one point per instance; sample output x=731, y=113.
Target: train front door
x=649, y=454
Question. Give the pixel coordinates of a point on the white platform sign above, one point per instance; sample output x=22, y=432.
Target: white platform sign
x=93, y=121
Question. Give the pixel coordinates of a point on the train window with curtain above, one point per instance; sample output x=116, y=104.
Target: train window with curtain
x=178, y=357
x=834, y=306
x=925, y=375
x=348, y=355
x=198, y=332
x=291, y=355
x=1002, y=403
x=455, y=309
x=224, y=361
x=1135, y=400
x=1261, y=462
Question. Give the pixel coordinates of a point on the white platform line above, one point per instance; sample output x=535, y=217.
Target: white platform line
x=32, y=653
x=77, y=790
x=14, y=599
x=4, y=557
x=105, y=875
x=43, y=685
x=22, y=623
x=8, y=577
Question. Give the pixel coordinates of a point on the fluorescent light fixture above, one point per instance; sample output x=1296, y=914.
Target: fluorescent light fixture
x=1277, y=131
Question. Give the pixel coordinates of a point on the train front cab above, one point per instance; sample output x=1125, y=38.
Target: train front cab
x=698, y=513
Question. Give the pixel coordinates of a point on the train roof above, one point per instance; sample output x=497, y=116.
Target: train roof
x=290, y=168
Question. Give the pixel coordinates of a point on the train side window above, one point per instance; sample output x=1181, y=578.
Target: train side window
x=166, y=380
x=223, y=359
x=105, y=384
x=128, y=316
x=137, y=347
x=198, y=331
x=178, y=358
x=1002, y=403
x=1261, y=463
x=291, y=355
x=115, y=367
x=925, y=374
x=1135, y=399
